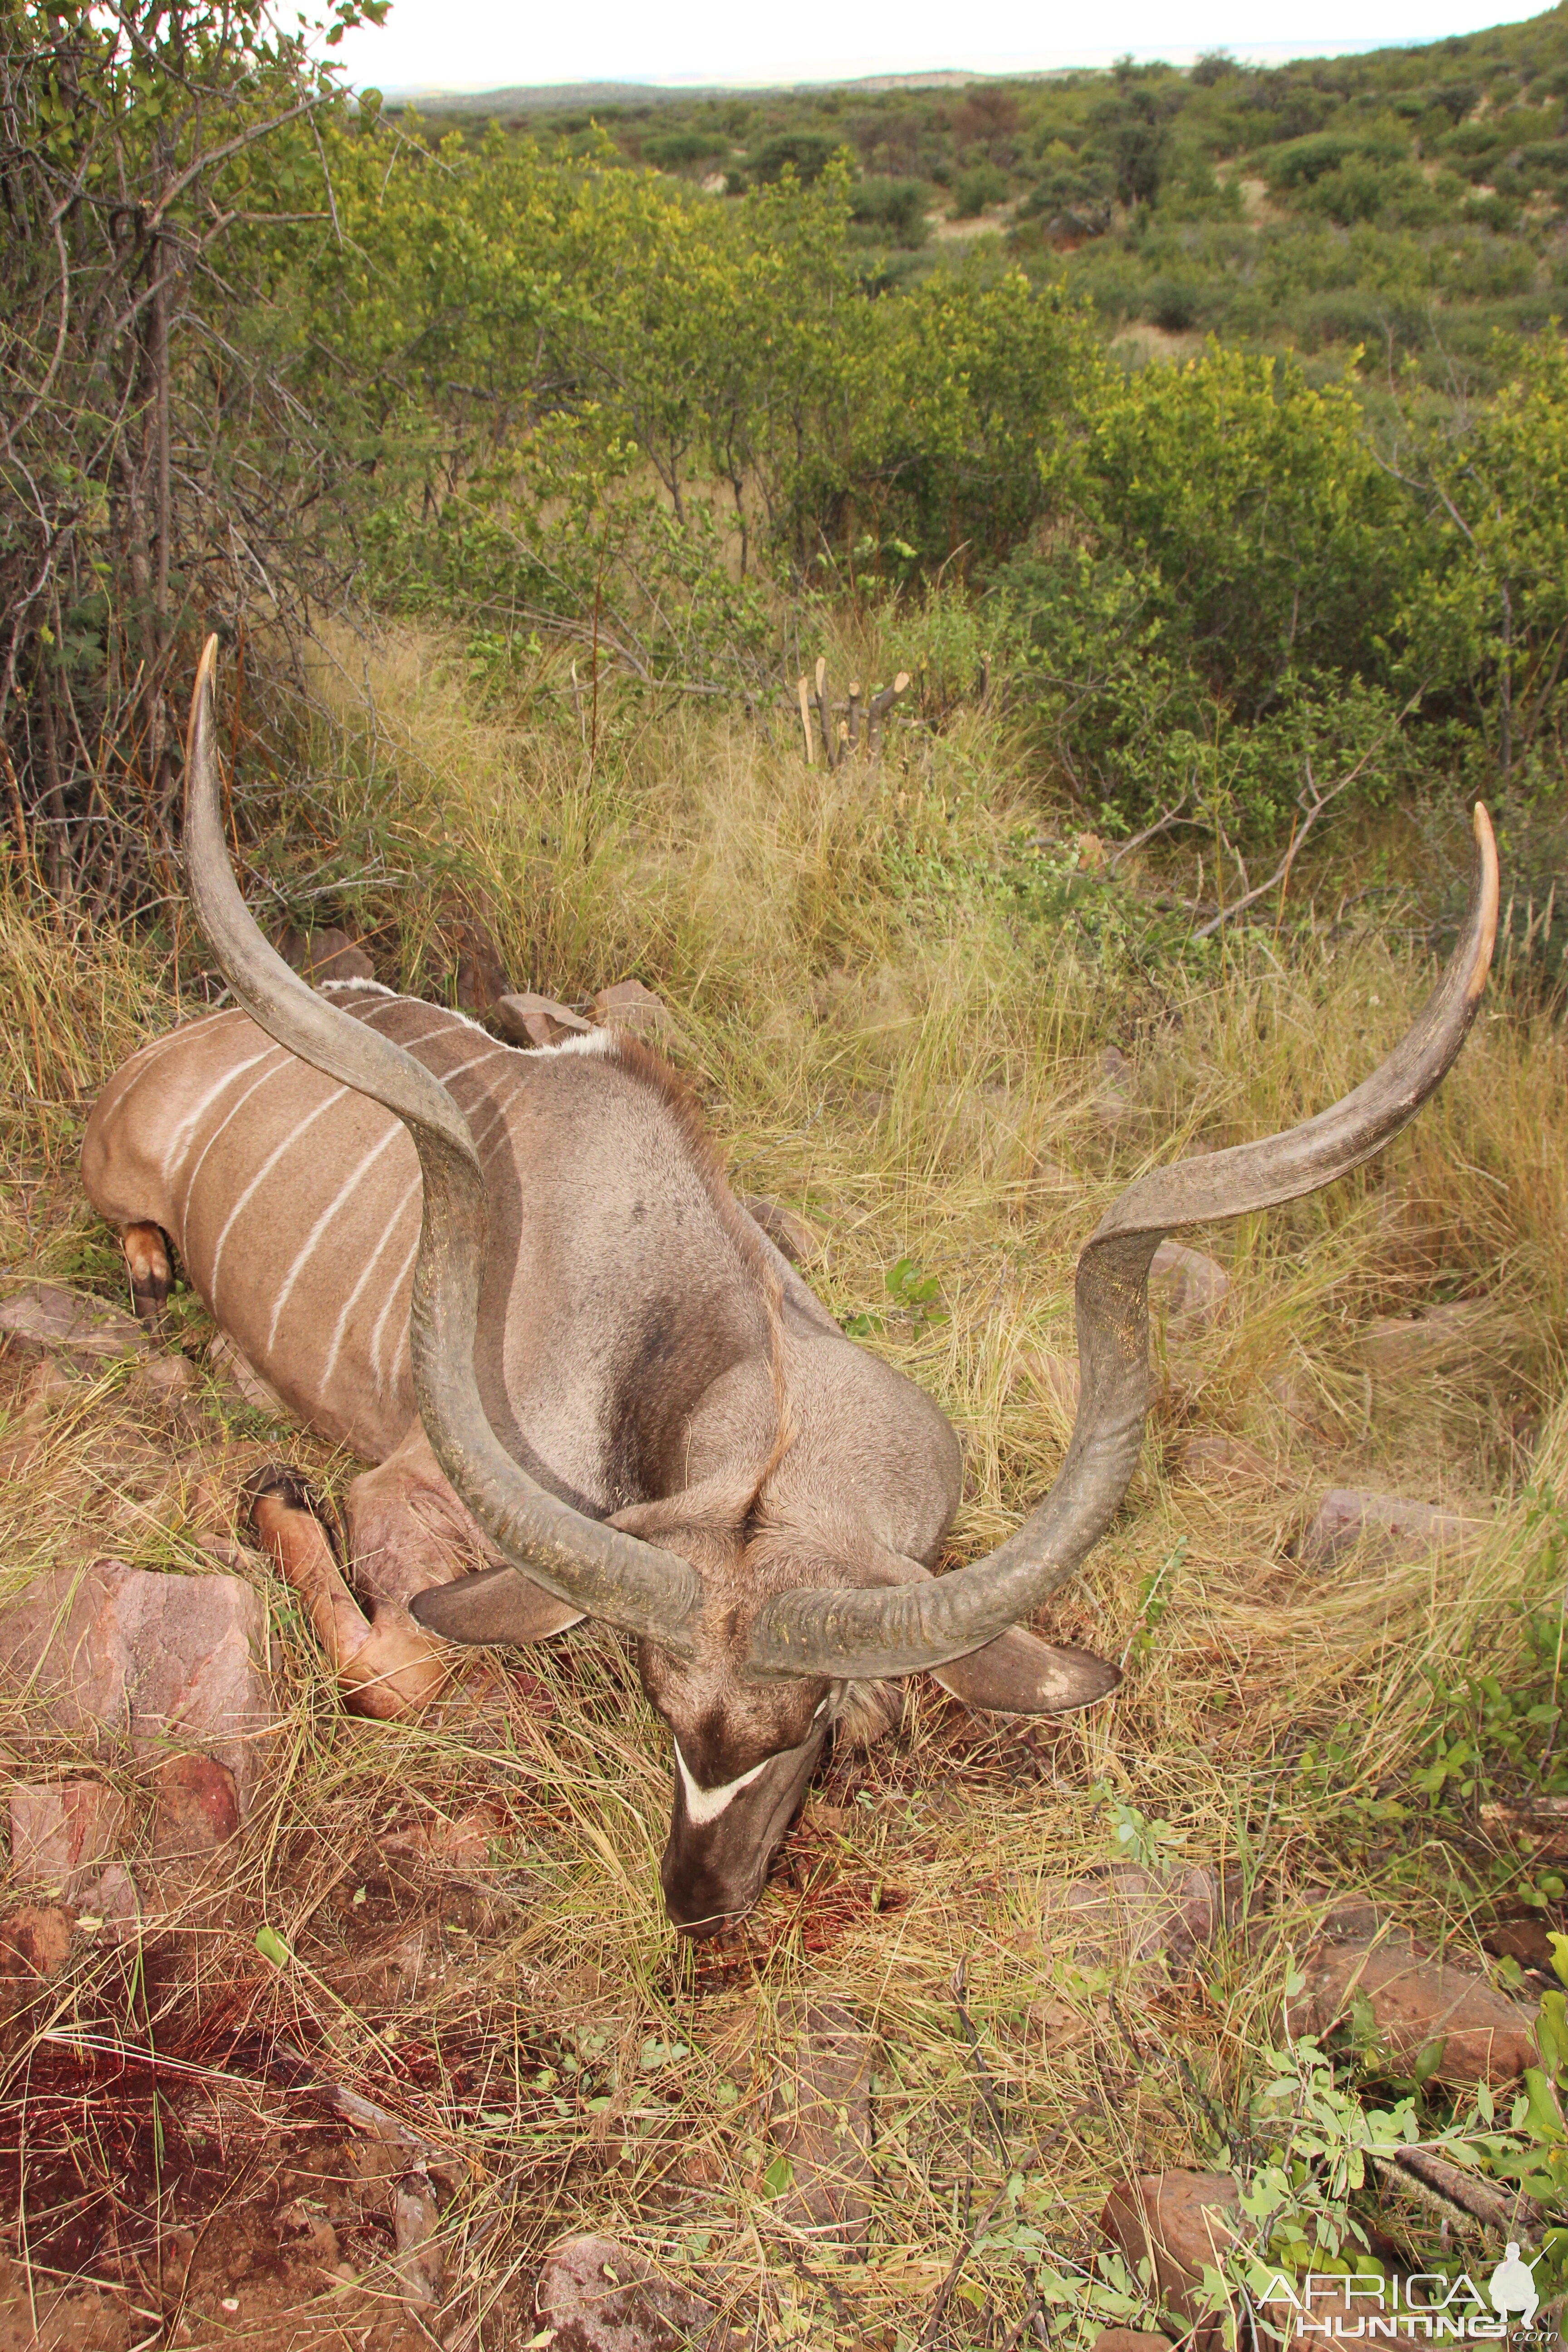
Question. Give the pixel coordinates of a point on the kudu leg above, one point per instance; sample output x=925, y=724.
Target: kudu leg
x=386, y=1667
x=147, y=1263
x=409, y=1531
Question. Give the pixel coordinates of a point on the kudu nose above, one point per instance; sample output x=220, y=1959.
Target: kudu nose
x=698, y=1901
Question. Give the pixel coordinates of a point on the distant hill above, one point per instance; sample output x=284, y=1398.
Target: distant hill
x=548, y=97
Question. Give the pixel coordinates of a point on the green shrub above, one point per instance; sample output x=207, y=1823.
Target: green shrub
x=673, y=150
x=972, y=189
x=805, y=153
x=895, y=208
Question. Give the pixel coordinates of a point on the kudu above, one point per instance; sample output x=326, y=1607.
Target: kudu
x=518, y=1282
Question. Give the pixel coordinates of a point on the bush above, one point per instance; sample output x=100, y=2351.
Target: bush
x=974, y=189
x=675, y=150
x=805, y=153
x=896, y=207
x=1301, y=162
x=1171, y=304
x=1362, y=188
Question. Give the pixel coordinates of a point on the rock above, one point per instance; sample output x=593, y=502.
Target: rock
x=197, y=1810
x=329, y=954
x=821, y=2119
x=235, y=1373
x=1414, y=2001
x=113, y=1904
x=1216, y=1459
x=1127, y=1912
x=60, y=1830
x=415, y=2221
x=1392, y=1528
x=35, y=1942
x=157, y=1659
x=787, y=1232
x=1408, y=1346
x=601, y=2297
x=164, y=1380
x=1178, y=2224
x=629, y=1005
x=524, y=1019
x=1196, y=1287
x=1528, y=1941
x=45, y=1316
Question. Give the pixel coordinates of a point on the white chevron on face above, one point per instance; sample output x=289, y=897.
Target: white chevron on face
x=704, y=1805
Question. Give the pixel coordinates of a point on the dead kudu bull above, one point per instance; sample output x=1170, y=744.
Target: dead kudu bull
x=518, y=1283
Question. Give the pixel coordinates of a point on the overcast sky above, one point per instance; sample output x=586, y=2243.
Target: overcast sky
x=487, y=44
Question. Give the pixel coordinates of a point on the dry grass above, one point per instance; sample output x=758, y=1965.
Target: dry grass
x=892, y=1043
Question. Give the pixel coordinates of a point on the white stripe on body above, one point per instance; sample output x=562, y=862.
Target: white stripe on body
x=705, y=1805
x=156, y=1047
x=322, y=1222
x=180, y=1140
x=376, y=1337
x=330, y=1211
x=353, y=1299
x=597, y=1041
x=232, y=1112
x=262, y=1173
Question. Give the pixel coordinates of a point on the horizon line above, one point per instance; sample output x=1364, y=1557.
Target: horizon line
x=693, y=86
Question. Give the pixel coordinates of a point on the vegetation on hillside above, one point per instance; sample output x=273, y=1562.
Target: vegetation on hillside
x=1409, y=200
x=271, y=352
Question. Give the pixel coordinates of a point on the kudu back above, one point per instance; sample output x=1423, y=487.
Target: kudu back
x=518, y=1283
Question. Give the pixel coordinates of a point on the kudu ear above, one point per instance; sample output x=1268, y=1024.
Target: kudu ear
x=497, y=1605
x=1017, y=1673
x=1020, y=1674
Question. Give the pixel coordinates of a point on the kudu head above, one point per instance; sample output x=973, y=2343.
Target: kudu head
x=746, y=1649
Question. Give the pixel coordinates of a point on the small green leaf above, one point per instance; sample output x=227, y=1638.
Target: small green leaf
x=1544, y=2121
x=271, y=1946
x=1552, y=2032
x=1429, y=2059
x=779, y=2175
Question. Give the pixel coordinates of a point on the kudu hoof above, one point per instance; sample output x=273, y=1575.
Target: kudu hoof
x=386, y=1667
x=152, y=1276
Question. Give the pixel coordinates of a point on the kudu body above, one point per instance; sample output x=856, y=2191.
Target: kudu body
x=581, y=1366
